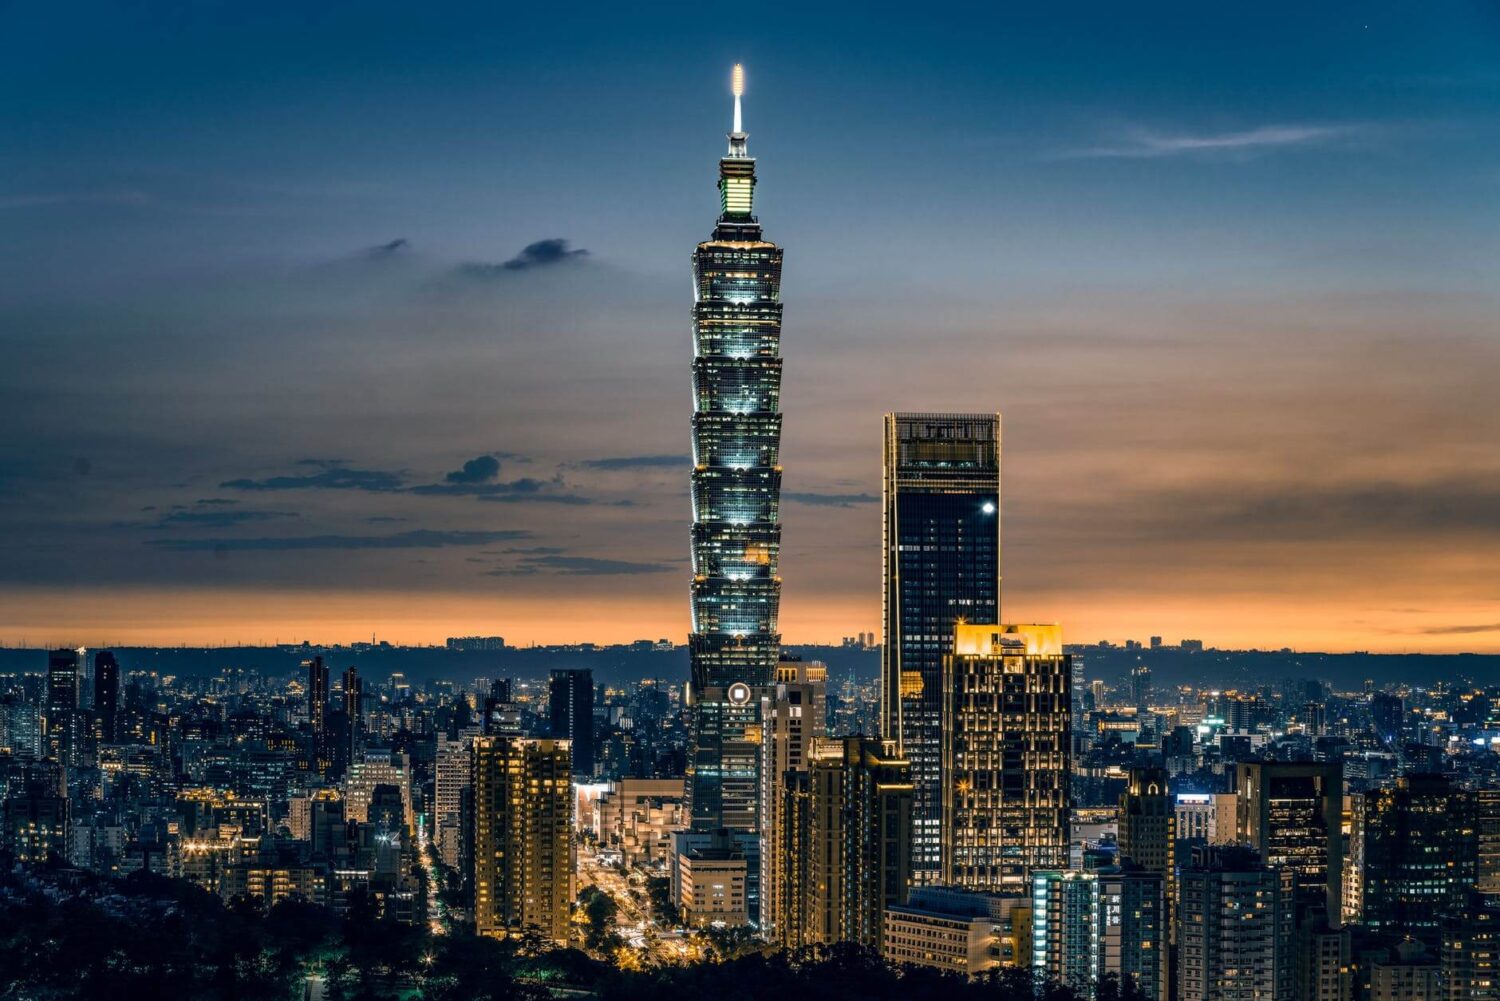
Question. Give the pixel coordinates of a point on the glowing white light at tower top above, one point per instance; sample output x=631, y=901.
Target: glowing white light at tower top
x=737, y=84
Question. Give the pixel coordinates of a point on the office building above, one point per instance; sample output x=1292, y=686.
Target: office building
x=1235, y=926
x=712, y=882
x=354, y=710
x=317, y=714
x=1140, y=686
x=1292, y=813
x=1418, y=847
x=523, y=857
x=736, y=488
x=1005, y=756
x=958, y=931
x=637, y=817
x=35, y=811
x=571, y=703
x=941, y=531
x=376, y=768
x=107, y=696
x=1410, y=973
x=60, y=714
x=1147, y=819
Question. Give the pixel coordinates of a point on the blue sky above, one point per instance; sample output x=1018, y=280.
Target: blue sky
x=1190, y=251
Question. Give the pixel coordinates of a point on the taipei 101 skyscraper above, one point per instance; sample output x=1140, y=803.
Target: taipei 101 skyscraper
x=736, y=484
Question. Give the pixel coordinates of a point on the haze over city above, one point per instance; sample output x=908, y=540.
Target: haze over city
x=320, y=325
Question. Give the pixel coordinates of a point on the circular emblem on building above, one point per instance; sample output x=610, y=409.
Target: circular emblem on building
x=739, y=693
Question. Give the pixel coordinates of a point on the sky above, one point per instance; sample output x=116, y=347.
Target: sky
x=339, y=320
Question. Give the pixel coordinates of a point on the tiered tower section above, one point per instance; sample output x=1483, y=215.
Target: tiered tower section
x=736, y=480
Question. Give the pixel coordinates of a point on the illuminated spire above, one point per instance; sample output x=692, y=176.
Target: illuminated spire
x=737, y=84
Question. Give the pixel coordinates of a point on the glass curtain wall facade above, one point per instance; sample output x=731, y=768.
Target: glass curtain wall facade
x=736, y=488
x=941, y=492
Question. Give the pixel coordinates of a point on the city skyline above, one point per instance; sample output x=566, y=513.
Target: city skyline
x=309, y=350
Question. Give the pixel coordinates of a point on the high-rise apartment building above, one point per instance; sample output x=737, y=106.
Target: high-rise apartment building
x=1292, y=814
x=941, y=495
x=571, y=703
x=1487, y=824
x=845, y=854
x=1134, y=929
x=1469, y=957
x=523, y=845
x=1086, y=925
x=1005, y=756
x=450, y=781
x=1065, y=920
x=736, y=489
x=1235, y=926
x=792, y=714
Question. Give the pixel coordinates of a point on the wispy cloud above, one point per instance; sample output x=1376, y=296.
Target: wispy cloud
x=637, y=462
x=41, y=199
x=218, y=517
x=331, y=475
x=415, y=539
x=1148, y=144
x=828, y=500
x=576, y=566
x=1460, y=630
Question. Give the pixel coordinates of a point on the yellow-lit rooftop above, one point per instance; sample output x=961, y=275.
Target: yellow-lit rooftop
x=991, y=639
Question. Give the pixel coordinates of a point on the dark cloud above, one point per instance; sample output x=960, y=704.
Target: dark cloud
x=536, y=550
x=478, y=470
x=400, y=245
x=332, y=474
x=638, y=462
x=415, y=539
x=577, y=566
x=541, y=254
x=206, y=501
x=828, y=500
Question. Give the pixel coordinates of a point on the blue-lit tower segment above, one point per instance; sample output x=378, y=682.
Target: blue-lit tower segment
x=736, y=484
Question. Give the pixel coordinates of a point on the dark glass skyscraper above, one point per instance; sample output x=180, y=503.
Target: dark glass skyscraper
x=736, y=486
x=107, y=695
x=571, y=705
x=942, y=565
x=317, y=713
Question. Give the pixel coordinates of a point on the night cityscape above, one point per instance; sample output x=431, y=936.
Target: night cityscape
x=1087, y=595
